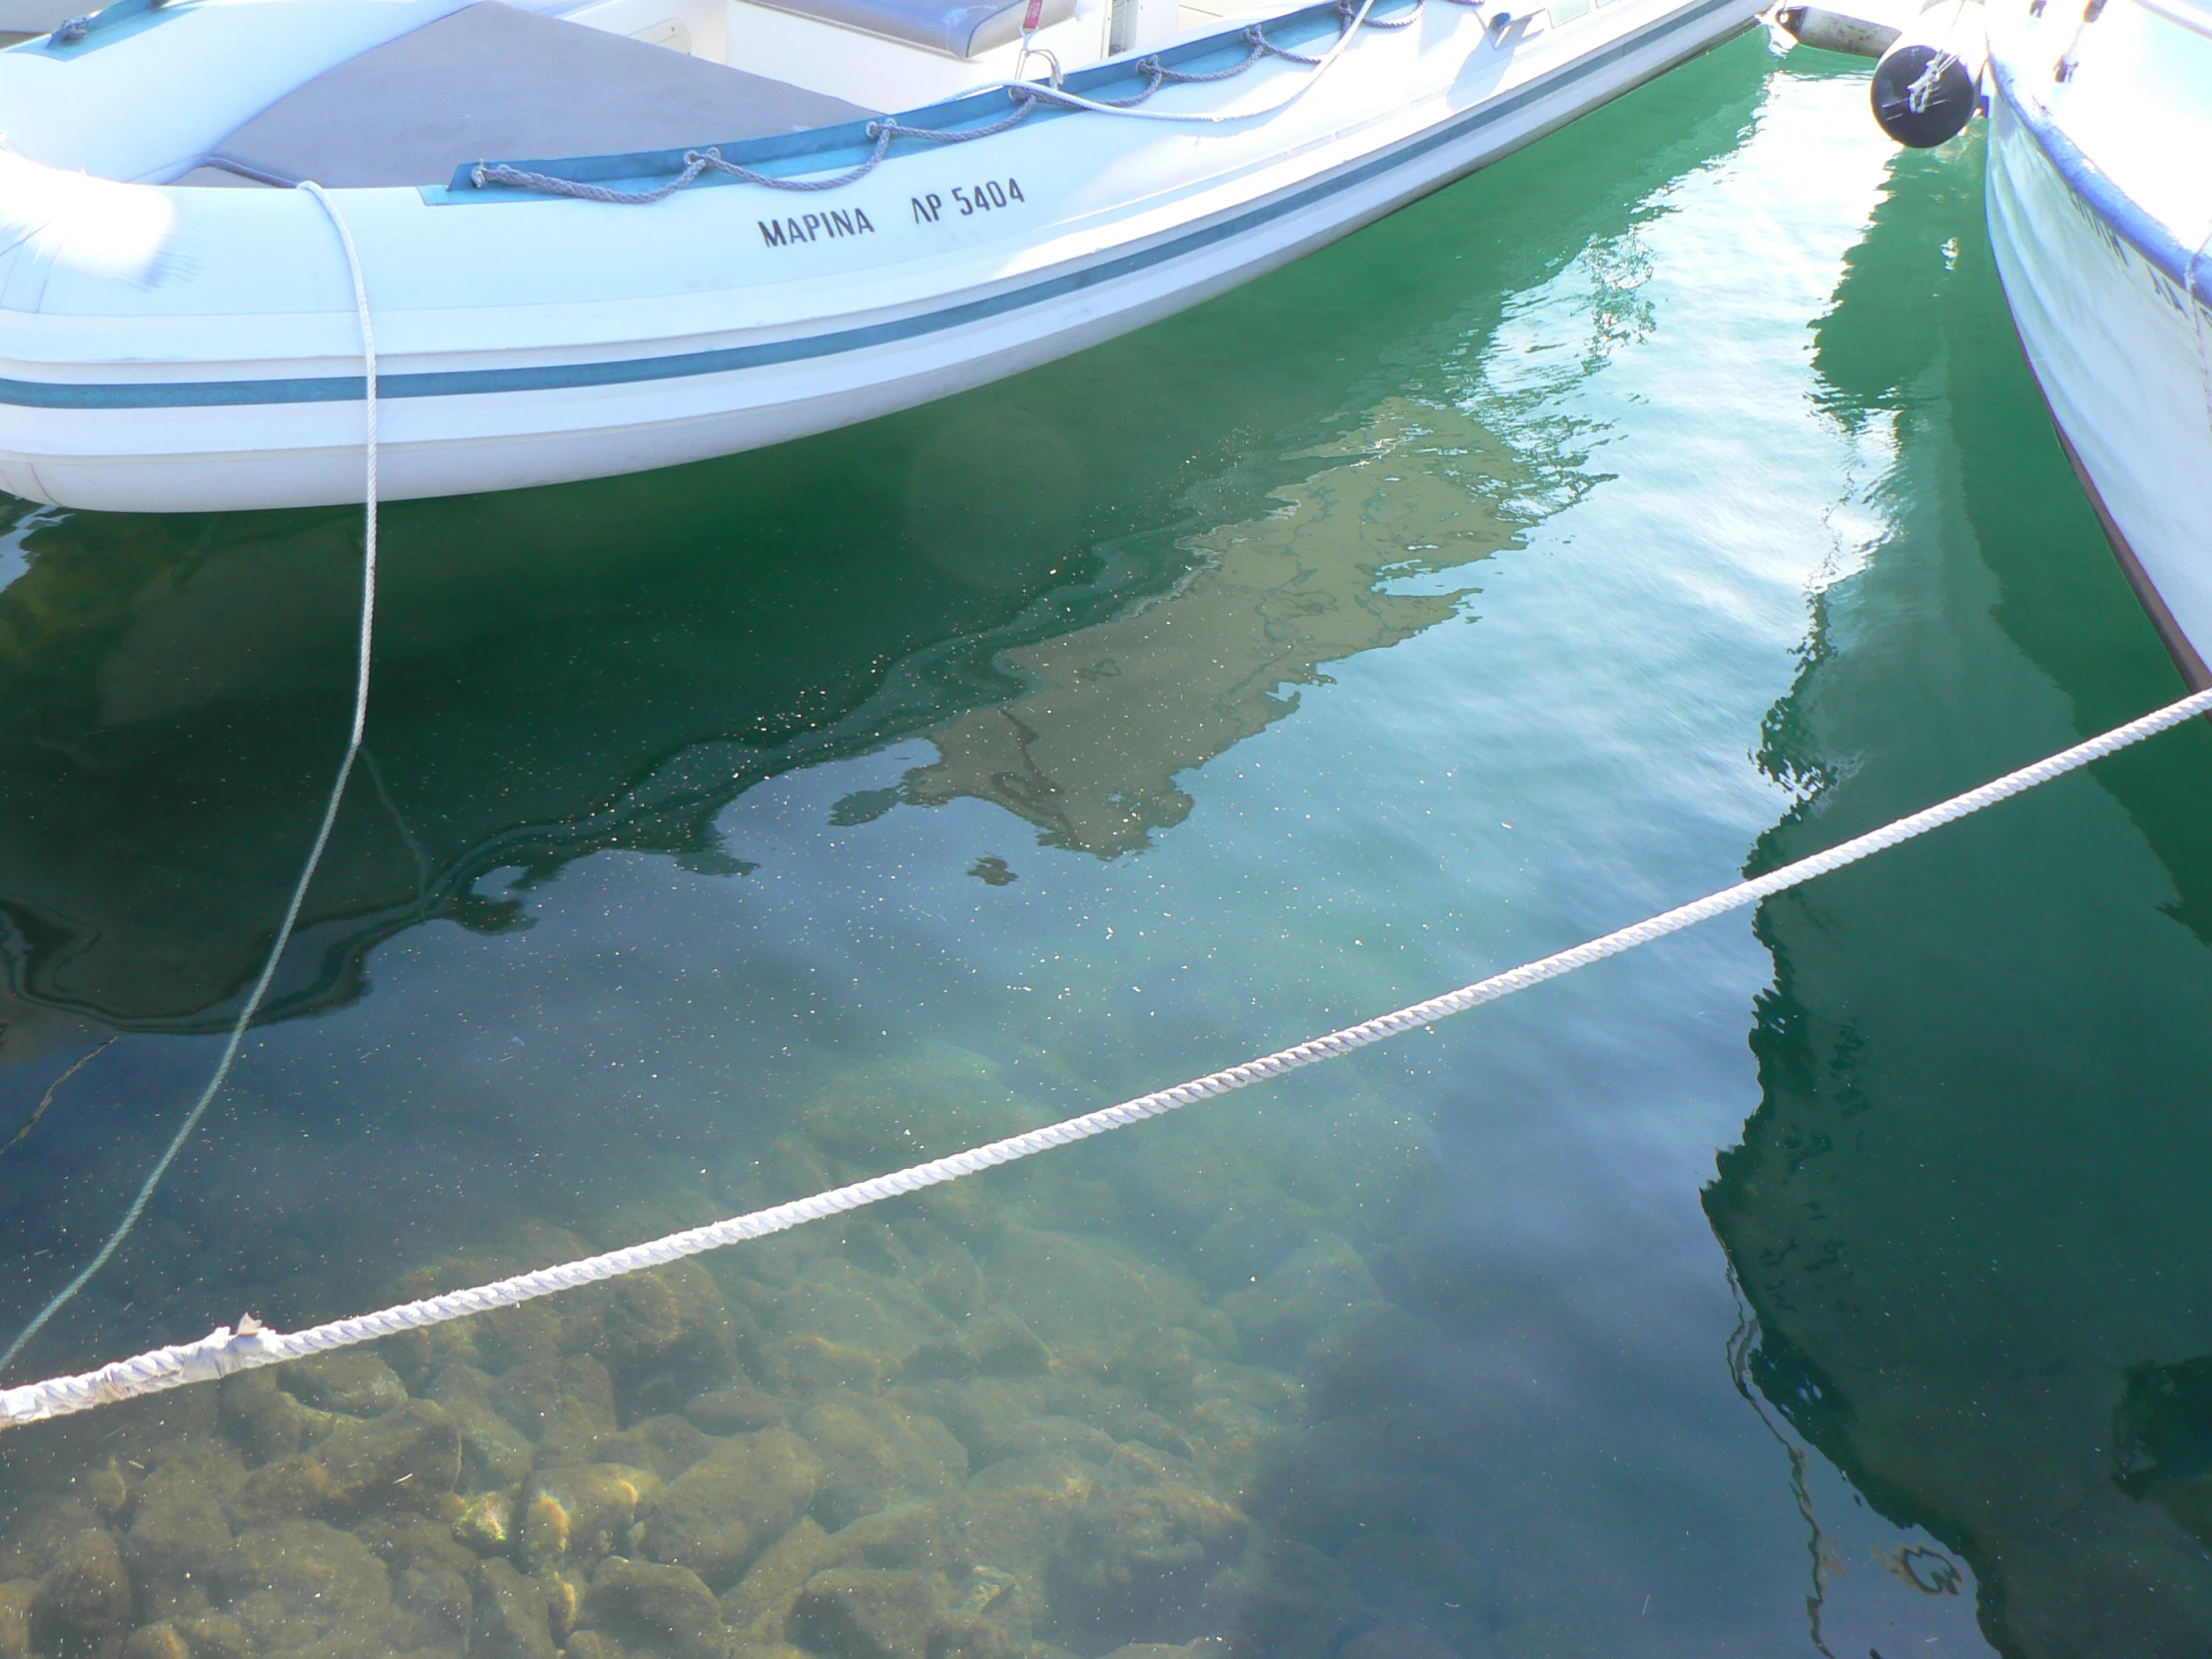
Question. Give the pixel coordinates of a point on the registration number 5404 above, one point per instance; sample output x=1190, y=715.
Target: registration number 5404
x=967, y=200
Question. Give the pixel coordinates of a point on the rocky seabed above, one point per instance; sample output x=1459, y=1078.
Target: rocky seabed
x=941, y=1430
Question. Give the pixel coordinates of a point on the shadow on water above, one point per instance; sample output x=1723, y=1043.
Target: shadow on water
x=566, y=671
x=1968, y=1213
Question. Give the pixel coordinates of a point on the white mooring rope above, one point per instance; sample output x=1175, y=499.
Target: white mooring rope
x=225, y=1351
x=253, y=998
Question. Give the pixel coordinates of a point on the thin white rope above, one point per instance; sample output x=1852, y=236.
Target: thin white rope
x=225, y=1351
x=131, y=1216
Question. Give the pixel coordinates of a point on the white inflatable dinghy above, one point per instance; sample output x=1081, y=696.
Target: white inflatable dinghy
x=635, y=233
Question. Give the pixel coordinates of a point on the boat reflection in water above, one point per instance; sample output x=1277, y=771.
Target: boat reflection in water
x=1111, y=713
x=1969, y=1214
x=564, y=671
x=539, y=698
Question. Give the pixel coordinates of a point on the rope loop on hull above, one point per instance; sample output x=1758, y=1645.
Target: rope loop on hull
x=1028, y=95
x=225, y=1351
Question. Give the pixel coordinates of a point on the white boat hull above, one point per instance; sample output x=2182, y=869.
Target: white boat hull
x=2095, y=253
x=171, y=348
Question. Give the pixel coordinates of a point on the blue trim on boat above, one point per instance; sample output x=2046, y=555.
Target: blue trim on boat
x=102, y=28
x=48, y=394
x=2129, y=220
x=826, y=146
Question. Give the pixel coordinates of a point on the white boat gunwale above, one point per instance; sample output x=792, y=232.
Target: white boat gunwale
x=2134, y=223
x=84, y=395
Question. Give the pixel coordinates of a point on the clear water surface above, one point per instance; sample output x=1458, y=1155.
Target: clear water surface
x=1668, y=501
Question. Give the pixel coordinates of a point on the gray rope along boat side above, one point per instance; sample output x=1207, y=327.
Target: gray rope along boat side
x=227, y=1350
x=1027, y=96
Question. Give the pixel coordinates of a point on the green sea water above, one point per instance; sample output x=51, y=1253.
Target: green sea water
x=1667, y=501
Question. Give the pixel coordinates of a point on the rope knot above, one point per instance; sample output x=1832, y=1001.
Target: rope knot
x=72, y=31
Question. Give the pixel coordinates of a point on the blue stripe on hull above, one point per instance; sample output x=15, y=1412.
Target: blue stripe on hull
x=2148, y=236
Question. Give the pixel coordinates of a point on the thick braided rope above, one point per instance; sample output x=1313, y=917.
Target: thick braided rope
x=321, y=835
x=223, y=1352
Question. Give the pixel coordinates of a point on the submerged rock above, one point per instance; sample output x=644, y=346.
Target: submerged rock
x=1318, y=1286
x=1152, y=1430
x=110, y=1492
x=666, y=1335
x=1054, y=1436
x=156, y=1641
x=439, y=1596
x=1142, y=1544
x=852, y=1307
x=564, y=1603
x=1255, y=1233
x=990, y=1619
x=912, y=1536
x=1018, y=1512
x=177, y=1550
x=1162, y=1365
x=408, y=1456
x=402, y=1541
x=729, y=1506
x=1004, y=1346
x=487, y=1525
x=666, y=1445
x=267, y=1422
x=1069, y=1288
x=305, y=1580
x=806, y=1366
x=999, y=1344
x=734, y=1412
x=16, y=1596
x=866, y=1613
x=356, y=1384
x=953, y=1284
x=581, y=1512
x=874, y=1451
x=216, y=1636
x=758, y=1607
x=291, y=1489
x=494, y=1455
x=662, y=1610
x=510, y=1618
x=82, y=1606
x=980, y=1411
x=930, y=1100
x=563, y=1405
